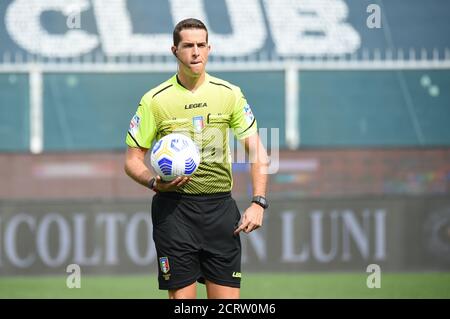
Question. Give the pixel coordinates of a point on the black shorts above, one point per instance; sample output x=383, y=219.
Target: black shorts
x=194, y=239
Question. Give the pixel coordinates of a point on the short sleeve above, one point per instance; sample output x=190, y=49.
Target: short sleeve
x=142, y=129
x=243, y=121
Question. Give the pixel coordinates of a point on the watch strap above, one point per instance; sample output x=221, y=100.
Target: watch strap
x=261, y=201
x=151, y=184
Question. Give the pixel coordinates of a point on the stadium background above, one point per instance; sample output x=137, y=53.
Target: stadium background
x=360, y=116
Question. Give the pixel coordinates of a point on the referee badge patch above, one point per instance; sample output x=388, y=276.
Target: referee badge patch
x=134, y=125
x=164, y=264
x=248, y=114
x=198, y=123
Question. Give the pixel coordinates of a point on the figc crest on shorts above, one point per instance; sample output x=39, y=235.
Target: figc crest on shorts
x=164, y=264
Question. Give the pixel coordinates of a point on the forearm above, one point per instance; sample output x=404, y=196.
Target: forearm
x=259, y=167
x=137, y=170
x=259, y=178
x=253, y=216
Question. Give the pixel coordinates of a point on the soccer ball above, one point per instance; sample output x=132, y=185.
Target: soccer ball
x=175, y=155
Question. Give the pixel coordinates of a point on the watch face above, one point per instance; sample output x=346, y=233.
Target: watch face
x=261, y=201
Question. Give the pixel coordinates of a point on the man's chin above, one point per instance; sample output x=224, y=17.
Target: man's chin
x=197, y=70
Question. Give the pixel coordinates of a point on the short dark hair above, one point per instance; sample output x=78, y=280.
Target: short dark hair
x=189, y=23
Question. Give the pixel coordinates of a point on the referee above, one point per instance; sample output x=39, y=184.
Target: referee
x=196, y=222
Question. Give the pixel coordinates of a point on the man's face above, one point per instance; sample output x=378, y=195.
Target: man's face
x=193, y=51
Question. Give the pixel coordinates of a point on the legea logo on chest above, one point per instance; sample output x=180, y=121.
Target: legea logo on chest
x=195, y=106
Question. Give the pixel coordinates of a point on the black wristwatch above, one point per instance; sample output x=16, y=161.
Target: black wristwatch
x=151, y=184
x=261, y=201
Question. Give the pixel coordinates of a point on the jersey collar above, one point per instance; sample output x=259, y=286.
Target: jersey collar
x=180, y=86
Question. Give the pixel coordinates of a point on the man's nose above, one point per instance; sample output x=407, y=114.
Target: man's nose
x=196, y=50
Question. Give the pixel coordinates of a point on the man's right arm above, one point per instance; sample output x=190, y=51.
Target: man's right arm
x=139, y=138
x=135, y=165
x=135, y=168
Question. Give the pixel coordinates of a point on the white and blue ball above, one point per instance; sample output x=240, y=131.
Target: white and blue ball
x=175, y=155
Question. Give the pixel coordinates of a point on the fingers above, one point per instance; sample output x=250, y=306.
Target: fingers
x=243, y=225
x=240, y=228
x=183, y=180
x=246, y=228
x=247, y=225
x=250, y=227
x=177, y=182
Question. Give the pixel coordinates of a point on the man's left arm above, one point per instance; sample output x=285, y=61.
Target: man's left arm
x=253, y=215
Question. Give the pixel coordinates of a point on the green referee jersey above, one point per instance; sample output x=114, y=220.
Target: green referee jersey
x=206, y=116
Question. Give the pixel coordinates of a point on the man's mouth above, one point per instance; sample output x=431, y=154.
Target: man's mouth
x=196, y=62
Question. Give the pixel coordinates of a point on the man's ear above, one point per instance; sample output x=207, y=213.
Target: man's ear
x=174, y=50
